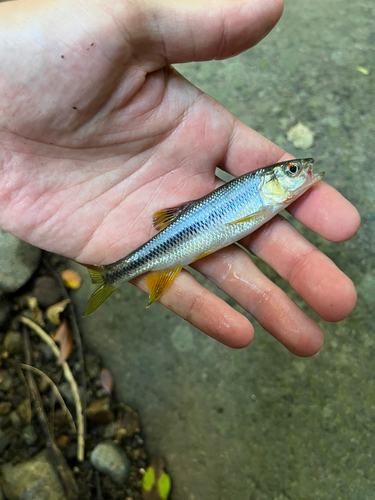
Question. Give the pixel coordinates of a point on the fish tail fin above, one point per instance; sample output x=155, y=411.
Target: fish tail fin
x=95, y=272
x=98, y=297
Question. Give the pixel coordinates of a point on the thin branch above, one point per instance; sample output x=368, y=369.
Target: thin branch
x=55, y=390
x=64, y=473
x=73, y=384
x=75, y=331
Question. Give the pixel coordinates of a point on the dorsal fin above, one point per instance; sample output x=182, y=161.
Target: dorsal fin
x=162, y=218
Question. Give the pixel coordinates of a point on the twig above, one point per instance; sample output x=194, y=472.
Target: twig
x=73, y=384
x=74, y=328
x=55, y=390
x=22, y=377
x=65, y=475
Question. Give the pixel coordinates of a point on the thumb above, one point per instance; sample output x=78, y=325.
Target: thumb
x=192, y=30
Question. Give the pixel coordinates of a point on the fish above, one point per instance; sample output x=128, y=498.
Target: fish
x=197, y=228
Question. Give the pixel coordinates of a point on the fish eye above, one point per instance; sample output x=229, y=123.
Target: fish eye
x=292, y=168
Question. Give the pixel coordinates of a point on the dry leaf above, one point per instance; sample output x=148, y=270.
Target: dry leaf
x=36, y=313
x=53, y=312
x=71, y=279
x=63, y=337
x=363, y=70
x=106, y=380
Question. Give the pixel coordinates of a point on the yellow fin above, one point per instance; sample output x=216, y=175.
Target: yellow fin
x=95, y=272
x=164, y=217
x=98, y=297
x=204, y=254
x=248, y=218
x=159, y=281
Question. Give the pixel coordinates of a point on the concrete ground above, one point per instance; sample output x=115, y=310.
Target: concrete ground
x=262, y=424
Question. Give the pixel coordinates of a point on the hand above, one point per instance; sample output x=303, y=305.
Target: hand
x=97, y=132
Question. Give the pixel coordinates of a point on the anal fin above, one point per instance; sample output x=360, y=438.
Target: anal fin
x=159, y=281
x=98, y=297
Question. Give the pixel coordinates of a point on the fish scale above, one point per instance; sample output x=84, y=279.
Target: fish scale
x=200, y=227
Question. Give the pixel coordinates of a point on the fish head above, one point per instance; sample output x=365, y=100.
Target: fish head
x=296, y=176
x=284, y=182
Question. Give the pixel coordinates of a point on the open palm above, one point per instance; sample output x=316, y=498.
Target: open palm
x=97, y=132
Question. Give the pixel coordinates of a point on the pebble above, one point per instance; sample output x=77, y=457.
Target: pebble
x=15, y=419
x=110, y=459
x=35, y=479
x=18, y=261
x=6, y=381
x=24, y=410
x=5, y=407
x=29, y=435
x=46, y=291
x=13, y=342
x=99, y=411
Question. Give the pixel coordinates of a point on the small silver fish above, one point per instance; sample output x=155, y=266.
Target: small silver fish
x=198, y=228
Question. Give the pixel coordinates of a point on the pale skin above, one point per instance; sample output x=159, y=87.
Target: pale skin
x=85, y=182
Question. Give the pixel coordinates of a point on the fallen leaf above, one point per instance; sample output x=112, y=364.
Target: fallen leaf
x=363, y=70
x=63, y=337
x=53, y=312
x=36, y=313
x=71, y=279
x=301, y=136
x=106, y=380
x=156, y=483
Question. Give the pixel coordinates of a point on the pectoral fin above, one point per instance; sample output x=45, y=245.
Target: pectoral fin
x=164, y=217
x=248, y=218
x=98, y=297
x=159, y=281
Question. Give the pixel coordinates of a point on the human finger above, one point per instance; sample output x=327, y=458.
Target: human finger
x=191, y=30
x=232, y=270
x=204, y=310
x=311, y=273
x=322, y=208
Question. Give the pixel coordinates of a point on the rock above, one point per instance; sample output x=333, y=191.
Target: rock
x=29, y=435
x=4, y=441
x=18, y=261
x=100, y=412
x=34, y=479
x=5, y=308
x=128, y=420
x=13, y=342
x=46, y=291
x=5, y=407
x=300, y=136
x=110, y=459
x=15, y=419
x=6, y=380
x=24, y=411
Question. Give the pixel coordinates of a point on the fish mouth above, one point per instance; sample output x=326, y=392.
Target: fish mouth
x=311, y=175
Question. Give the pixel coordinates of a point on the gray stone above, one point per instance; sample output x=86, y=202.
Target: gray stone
x=18, y=261
x=110, y=459
x=35, y=479
x=47, y=291
x=6, y=380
